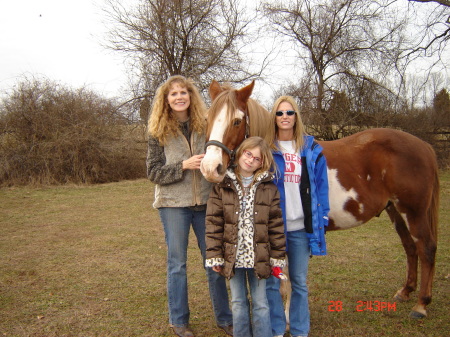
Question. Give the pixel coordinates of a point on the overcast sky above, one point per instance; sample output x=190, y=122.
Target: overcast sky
x=60, y=40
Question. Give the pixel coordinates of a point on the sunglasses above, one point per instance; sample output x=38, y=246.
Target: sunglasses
x=287, y=112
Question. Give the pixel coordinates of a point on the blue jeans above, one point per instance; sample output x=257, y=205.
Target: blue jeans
x=259, y=325
x=177, y=222
x=298, y=258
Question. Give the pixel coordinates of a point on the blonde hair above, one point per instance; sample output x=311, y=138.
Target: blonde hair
x=162, y=124
x=266, y=156
x=299, y=128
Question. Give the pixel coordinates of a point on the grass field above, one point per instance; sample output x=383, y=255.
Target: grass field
x=90, y=261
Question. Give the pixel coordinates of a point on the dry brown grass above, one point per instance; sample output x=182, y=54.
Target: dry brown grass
x=90, y=261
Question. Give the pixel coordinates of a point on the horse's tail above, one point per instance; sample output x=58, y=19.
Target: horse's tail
x=433, y=210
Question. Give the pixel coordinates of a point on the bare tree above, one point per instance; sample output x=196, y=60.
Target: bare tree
x=430, y=27
x=200, y=39
x=352, y=39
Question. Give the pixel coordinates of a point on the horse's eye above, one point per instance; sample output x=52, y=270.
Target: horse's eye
x=237, y=122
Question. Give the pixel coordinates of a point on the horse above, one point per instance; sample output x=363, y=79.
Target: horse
x=368, y=172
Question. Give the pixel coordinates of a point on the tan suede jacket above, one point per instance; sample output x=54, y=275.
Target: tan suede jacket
x=175, y=187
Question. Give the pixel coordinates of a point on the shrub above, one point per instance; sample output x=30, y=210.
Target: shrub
x=50, y=134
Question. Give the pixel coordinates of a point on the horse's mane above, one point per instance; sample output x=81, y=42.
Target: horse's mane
x=258, y=115
x=259, y=118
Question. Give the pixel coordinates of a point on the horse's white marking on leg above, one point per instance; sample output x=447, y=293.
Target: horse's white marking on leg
x=405, y=219
x=339, y=196
x=369, y=177
x=404, y=216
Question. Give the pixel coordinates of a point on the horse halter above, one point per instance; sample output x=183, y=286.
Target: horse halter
x=231, y=153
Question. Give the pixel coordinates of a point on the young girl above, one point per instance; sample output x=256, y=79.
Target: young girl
x=245, y=235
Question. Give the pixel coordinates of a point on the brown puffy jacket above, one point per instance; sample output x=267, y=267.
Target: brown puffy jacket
x=222, y=216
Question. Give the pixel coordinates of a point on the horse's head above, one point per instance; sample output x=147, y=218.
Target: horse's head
x=227, y=127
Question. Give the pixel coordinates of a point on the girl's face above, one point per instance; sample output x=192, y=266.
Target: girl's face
x=178, y=99
x=249, y=161
x=285, y=122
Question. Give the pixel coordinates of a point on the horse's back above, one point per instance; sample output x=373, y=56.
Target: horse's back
x=373, y=167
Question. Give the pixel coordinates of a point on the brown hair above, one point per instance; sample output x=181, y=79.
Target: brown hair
x=299, y=128
x=257, y=113
x=162, y=124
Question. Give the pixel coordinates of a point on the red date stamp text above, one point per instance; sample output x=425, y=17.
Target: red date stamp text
x=360, y=306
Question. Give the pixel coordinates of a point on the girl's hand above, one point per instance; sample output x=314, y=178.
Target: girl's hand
x=278, y=273
x=217, y=269
x=193, y=163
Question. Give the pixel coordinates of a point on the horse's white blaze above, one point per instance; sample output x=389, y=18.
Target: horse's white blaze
x=339, y=196
x=219, y=126
x=213, y=155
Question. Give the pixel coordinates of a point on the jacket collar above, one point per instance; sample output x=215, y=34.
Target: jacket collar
x=231, y=175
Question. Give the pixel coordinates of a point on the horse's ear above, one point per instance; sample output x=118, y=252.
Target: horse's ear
x=214, y=89
x=245, y=93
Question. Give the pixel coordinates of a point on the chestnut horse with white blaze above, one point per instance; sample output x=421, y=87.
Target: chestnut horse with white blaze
x=368, y=172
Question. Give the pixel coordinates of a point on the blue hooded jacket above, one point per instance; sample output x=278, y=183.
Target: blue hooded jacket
x=313, y=191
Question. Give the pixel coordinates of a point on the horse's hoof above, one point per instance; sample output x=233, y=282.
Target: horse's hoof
x=417, y=315
x=402, y=296
x=399, y=298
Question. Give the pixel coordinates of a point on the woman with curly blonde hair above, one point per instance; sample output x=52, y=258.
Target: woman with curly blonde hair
x=176, y=131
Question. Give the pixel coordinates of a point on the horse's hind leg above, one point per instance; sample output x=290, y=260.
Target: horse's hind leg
x=418, y=244
x=411, y=254
x=426, y=248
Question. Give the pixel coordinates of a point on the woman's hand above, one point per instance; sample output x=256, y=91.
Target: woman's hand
x=193, y=163
x=217, y=269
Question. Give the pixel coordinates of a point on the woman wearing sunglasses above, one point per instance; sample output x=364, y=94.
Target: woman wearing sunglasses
x=301, y=178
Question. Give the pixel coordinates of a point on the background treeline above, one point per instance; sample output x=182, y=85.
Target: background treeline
x=51, y=134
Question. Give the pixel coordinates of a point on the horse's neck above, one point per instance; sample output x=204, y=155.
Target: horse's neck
x=259, y=118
